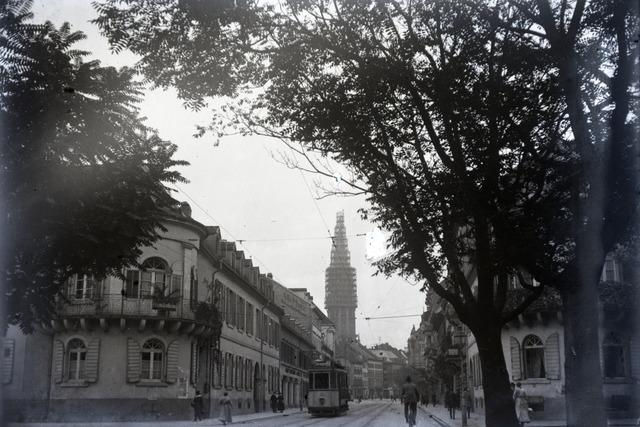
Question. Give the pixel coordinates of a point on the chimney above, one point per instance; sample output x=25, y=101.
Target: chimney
x=185, y=209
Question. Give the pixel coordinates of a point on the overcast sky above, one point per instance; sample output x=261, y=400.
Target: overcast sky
x=239, y=186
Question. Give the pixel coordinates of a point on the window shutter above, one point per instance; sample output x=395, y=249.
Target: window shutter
x=7, y=361
x=58, y=360
x=552, y=357
x=91, y=365
x=173, y=351
x=176, y=285
x=516, y=370
x=133, y=361
x=634, y=357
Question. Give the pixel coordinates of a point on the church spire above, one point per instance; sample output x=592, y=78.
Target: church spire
x=341, y=297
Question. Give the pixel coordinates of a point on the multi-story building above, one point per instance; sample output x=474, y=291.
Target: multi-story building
x=195, y=315
x=297, y=347
x=393, y=363
x=323, y=330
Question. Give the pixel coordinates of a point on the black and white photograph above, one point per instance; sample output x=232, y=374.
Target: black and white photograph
x=340, y=213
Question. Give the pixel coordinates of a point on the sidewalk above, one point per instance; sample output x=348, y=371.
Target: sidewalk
x=440, y=414
x=214, y=421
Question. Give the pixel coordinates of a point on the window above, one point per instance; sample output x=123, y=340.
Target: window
x=217, y=369
x=151, y=356
x=249, y=318
x=154, y=279
x=611, y=271
x=320, y=380
x=265, y=326
x=239, y=373
x=613, y=355
x=533, y=357
x=77, y=355
x=232, y=308
x=240, y=313
x=258, y=324
x=82, y=286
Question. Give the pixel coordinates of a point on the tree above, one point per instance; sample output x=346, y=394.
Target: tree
x=593, y=47
x=451, y=116
x=83, y=180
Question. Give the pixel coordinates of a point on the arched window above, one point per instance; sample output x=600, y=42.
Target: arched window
x=77, y=355
x=533, y=357
x=152, y=360
x=613, y=355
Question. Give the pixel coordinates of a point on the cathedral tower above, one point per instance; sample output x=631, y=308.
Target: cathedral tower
x=341, y=297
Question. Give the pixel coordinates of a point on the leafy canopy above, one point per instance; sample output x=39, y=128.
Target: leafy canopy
x=83, y=179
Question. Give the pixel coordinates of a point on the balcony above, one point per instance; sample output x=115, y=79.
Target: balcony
x=172, y=314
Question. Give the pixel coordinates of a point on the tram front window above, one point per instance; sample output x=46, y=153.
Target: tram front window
x=321, y=381
x=333, y=380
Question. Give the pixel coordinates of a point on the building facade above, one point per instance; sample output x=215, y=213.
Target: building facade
x=533, y=347
x=195, y=316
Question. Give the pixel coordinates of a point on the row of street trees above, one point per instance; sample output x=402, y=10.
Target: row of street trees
x=498, y=133
x=82, y=179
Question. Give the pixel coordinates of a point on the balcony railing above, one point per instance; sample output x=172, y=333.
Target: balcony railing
x=117, y=305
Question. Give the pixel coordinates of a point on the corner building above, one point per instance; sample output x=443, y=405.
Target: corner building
x=139, y=348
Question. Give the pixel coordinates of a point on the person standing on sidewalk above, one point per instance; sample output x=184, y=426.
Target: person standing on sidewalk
x=274, y=402
x=410, y=399
x=280, y=402
x=196, y=404
x=522, y=406
x=225, y=409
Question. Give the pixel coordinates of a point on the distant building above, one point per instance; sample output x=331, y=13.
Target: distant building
x=394, y=364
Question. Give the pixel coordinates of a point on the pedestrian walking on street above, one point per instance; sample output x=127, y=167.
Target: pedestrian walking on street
x=196, y=404
x=522, y=406
x=225, y=409
x=274, y=402
x=449, y=403
x=466, y=403
x=434, y=399
x=410, y=399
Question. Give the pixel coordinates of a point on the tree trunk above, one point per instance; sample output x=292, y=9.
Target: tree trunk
x=583, y=376
x=499, y=406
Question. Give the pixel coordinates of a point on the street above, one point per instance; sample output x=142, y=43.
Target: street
x=374, y=413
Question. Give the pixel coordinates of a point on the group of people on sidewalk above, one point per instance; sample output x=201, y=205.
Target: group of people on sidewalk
x=225, y=408
x=277, y=402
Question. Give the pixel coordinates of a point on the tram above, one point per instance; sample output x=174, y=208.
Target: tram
x=328, y=389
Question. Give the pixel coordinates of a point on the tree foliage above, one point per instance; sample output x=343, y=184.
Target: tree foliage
x=83, y=179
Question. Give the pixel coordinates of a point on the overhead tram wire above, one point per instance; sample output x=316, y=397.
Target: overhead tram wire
x=389, y=317
x=317, y=208
x=222, y=227
x=291, y=239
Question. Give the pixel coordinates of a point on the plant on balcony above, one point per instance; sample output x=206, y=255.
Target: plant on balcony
x=208, y=313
